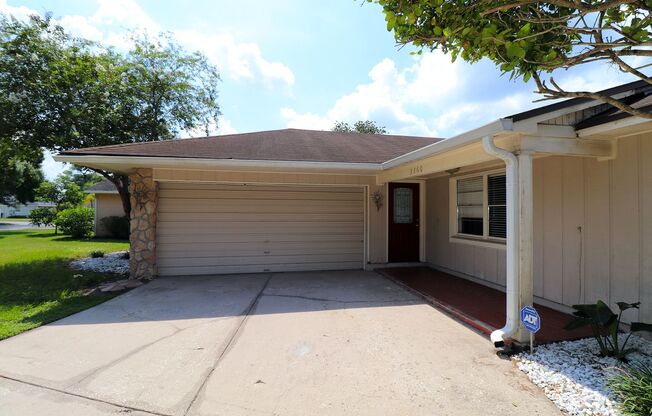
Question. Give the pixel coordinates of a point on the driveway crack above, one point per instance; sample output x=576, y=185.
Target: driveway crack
x=230, y=342
x=81, y=396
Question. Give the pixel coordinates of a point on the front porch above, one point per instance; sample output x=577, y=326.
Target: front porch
x=477, y=305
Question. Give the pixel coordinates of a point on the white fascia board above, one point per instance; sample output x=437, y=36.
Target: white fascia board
x=100, y=192
x=475, y=135
x=226, y=164
x=607, y=128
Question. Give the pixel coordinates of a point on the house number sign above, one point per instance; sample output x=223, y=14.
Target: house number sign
x=414, y=170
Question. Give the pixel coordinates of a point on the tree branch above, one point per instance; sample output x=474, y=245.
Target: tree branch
x=558, y=92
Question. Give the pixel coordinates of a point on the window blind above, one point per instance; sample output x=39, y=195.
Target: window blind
x=497, y=204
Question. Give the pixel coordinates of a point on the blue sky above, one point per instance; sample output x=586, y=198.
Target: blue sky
x=309, y=63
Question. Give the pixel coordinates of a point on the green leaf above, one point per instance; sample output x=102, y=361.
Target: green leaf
x=623, y=306
x=640, y=326
x=515, y=51
x=576, y=323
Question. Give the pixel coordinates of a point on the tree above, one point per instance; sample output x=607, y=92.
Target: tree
x=20, y=173
x=63, y=193
x=82, y=177
x=531, y=39
x=63, y=93
x=366, y=127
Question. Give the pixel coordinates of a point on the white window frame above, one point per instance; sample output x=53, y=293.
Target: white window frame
x=484, y=240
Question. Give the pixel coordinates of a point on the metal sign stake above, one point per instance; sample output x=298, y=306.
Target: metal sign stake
x=531, y=342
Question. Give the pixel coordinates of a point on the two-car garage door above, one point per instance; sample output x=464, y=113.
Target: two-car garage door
x=212, y=229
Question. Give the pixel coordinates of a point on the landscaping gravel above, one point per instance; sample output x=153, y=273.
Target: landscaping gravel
x=574, y=376
x=110, y=263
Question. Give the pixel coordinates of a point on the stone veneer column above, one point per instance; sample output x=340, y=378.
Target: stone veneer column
x=143, y=192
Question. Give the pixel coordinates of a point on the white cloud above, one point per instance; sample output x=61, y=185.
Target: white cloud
x=224, y=127
x=126, y=13
x=20, y=12
x=237, y=60
x=51, y=168
x=112, y=21
x=389, y=97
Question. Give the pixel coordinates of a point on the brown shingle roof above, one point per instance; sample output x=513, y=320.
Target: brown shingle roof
x=284, y=145
x=103, y=186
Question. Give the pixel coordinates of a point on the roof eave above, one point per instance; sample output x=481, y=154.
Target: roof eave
x=491, y=129
x=126, y=164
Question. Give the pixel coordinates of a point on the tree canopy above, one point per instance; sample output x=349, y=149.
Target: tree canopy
x=361, y=126
x=58, y=92
x=531, y=39
x=20, y=173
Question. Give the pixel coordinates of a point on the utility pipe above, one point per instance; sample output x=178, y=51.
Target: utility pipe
x=499, y=336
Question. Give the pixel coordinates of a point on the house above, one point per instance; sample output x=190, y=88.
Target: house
x=107, y=204
x=552, y=204
x=21, y=210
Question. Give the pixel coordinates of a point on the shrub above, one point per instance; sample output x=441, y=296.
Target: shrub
x=633, y=387
x=118, y=227
x=77, y=222
x=97, y=253
x=42, y=216
x=606, y=324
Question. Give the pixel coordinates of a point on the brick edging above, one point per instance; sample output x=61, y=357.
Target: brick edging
x=441, y=306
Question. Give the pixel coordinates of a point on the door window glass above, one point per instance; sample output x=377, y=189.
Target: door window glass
x=403, y=206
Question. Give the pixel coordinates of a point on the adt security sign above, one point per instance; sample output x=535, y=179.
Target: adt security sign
x=530, y=318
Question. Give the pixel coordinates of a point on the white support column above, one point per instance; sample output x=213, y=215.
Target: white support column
x=525, y=239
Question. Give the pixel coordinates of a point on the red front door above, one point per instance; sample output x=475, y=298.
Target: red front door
x=403, y=238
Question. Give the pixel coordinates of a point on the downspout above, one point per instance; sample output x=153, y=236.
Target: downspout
x=499, y=336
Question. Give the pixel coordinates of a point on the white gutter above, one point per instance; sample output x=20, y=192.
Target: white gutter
x=495, y=127
x=499, y=336
x=181, y=162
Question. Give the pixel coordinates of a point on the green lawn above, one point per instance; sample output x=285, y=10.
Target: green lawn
x=15, y=219
x=36, y=286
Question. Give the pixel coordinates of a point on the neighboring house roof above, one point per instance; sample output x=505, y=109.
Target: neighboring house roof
x=104, y=187
x=277, y=145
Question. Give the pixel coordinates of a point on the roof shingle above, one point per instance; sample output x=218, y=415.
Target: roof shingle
x=281, y=145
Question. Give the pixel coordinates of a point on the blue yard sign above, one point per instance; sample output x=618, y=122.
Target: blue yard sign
x=530, y=319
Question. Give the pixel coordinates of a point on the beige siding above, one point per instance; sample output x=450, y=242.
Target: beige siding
x=593, y=230
x=377, y=236
x=106, y=205
x=486, y=263
x=211, y=229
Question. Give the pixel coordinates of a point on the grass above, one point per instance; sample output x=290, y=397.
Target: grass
x=36, y=286
x=633, y=387
x=15, y=219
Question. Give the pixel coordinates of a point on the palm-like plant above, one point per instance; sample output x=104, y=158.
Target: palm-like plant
x=605, y=324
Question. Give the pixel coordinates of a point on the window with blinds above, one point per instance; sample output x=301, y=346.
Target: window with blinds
x=497, y=205
x=481, y=206
x=469, y=206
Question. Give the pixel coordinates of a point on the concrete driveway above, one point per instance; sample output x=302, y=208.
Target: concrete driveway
x=323, y=343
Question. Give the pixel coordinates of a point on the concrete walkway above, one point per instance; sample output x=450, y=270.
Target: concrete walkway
x=323, y=343
x=14, y=225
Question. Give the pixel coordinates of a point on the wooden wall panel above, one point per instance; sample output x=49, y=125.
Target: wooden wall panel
x=552, y=225
x=625, y=242
x=572, y=228
x=645, y=201
x=597, y=234
x=537, y=184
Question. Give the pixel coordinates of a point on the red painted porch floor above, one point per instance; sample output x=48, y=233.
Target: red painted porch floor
x=477, y=305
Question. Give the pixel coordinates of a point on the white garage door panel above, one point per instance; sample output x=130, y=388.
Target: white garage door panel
x=211, y=229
